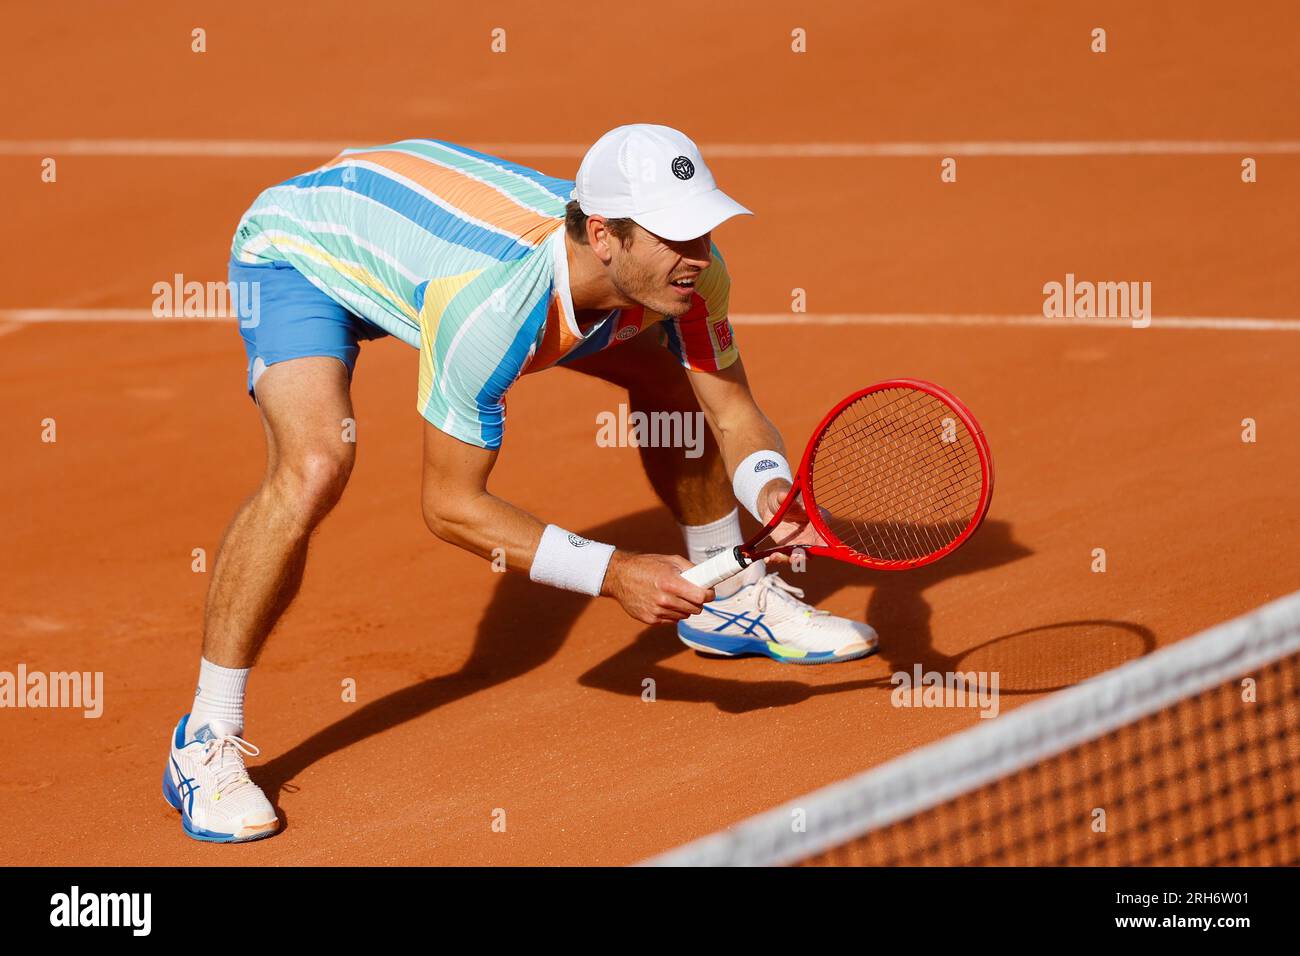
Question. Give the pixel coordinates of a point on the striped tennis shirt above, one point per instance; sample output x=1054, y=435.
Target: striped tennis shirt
x=461, y=255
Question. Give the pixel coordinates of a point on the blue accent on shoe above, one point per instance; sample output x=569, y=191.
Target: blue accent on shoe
x=185, y=790
x=726, y=645
x=719, y=643
x=743, y=622
x=729, y=645
x=736, y=634
x=169, y=790
x=176, y=799
x=180, y=797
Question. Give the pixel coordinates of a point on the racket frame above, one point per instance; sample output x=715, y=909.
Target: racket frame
x=724, y=565
x=843, y=552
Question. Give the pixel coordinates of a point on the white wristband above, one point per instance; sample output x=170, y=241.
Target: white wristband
x=755, y=472
x=569, y=561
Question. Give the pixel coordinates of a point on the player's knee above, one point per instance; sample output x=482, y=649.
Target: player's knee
x=313, y=481
x=437, y=517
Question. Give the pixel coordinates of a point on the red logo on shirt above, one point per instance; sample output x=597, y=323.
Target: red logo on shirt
x=722, y=331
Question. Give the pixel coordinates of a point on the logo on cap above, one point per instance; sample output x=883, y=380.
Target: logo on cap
x=683, y=168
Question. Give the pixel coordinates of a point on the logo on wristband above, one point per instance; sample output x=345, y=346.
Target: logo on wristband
x=767, y=464
x=578, y=541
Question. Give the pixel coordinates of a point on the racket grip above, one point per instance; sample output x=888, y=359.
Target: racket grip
x=717, y=569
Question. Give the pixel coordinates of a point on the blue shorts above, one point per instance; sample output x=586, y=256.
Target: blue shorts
x=293, y=319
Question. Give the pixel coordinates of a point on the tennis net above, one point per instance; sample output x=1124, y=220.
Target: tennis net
x=1188, y=756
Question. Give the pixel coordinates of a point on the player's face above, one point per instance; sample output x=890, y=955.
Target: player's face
x=658, y=273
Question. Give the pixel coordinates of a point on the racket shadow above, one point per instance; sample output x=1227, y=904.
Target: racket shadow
x=1034, y=660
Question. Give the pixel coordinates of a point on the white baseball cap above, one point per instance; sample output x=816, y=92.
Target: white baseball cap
x=655, y=176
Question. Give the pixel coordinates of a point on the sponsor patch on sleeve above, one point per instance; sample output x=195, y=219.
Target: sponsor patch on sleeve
x=722, y=332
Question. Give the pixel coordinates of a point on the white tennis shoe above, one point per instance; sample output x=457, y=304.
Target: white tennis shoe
x=206, y=781
x=768, y=617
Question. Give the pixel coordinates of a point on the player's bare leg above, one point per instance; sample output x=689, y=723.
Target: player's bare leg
x=257, y=573
x=260, y=564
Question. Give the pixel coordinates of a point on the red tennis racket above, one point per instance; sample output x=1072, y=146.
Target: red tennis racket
x=896, y=476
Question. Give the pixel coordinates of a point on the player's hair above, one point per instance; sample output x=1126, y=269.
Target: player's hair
x=575, y=221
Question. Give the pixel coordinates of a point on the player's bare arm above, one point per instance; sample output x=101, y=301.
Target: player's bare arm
x=742, y=429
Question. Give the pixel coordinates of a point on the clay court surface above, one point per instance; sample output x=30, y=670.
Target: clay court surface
x=478, y=691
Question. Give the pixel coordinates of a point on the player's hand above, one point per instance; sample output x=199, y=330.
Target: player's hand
x=651, y=587
x=795, y=528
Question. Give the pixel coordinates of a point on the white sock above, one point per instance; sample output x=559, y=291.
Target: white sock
x=703, y=541
x=220, y=697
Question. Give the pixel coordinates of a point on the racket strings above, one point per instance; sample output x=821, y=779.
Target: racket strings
x=943, y=481
x=897, y=475
x=909, y=531
x=892, y=528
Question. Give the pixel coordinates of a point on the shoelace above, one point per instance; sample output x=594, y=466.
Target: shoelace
x=230, y=773
x=772, y=584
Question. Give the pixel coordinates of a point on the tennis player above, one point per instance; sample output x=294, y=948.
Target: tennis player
x=492, y=270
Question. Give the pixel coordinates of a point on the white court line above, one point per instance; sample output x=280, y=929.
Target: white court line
x=1234, y=323
x=27, y=316
x=250, y=148
x=922, y=318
